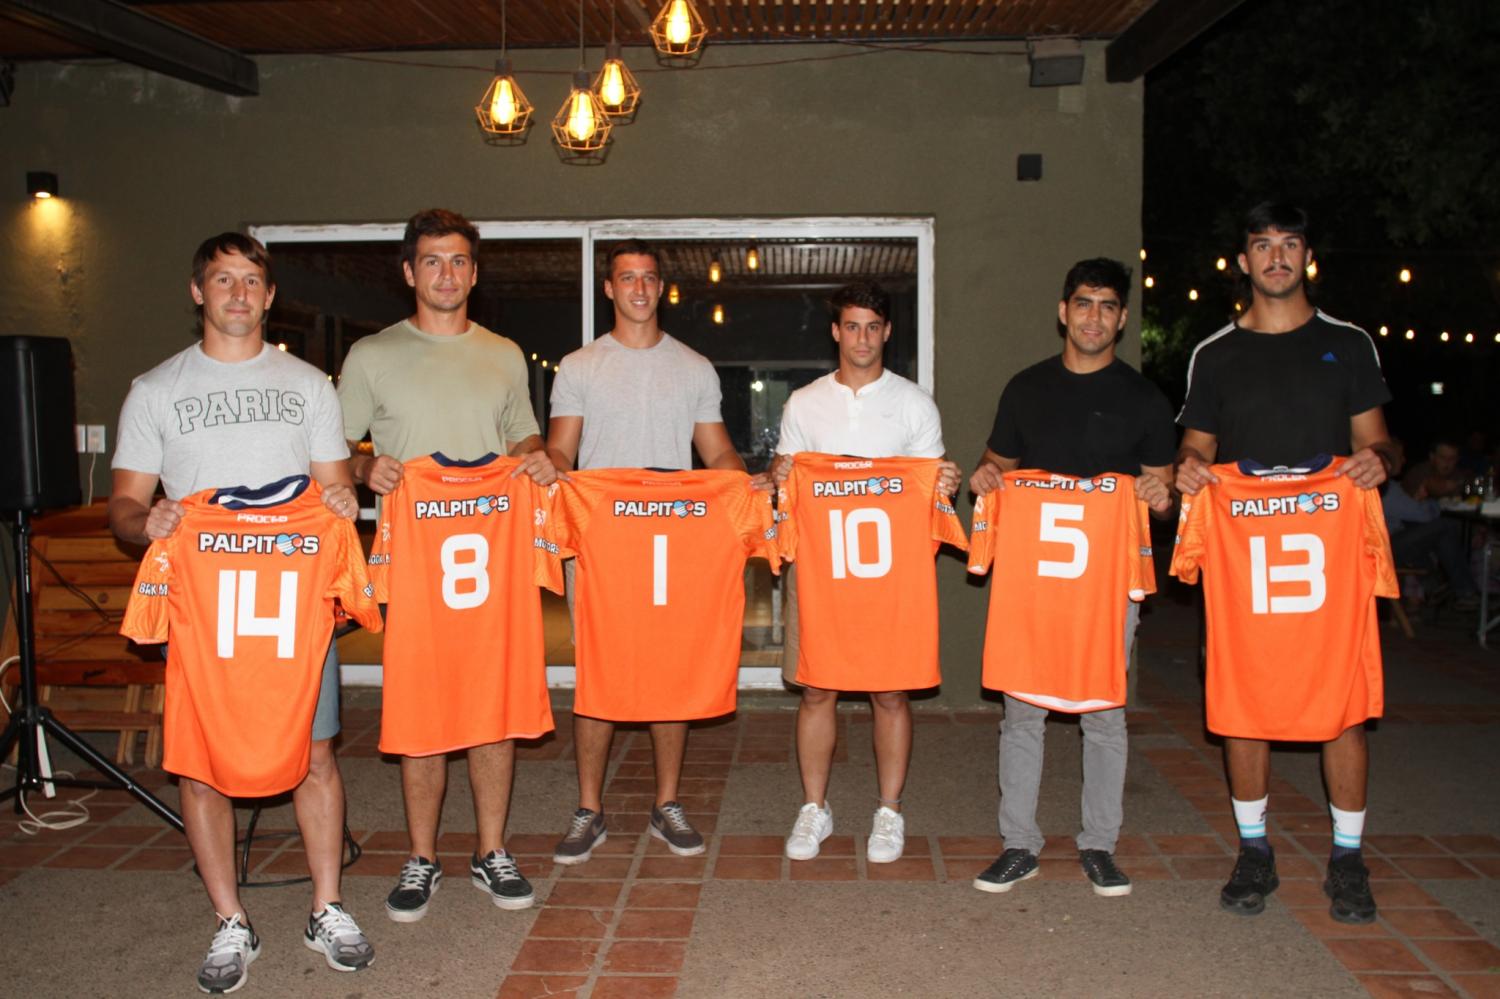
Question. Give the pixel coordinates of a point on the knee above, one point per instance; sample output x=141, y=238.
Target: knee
x=817, y=697
x=321, y=763
x=889, y=700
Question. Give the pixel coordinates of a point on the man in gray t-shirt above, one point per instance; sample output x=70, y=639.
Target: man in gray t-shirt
x=231, y=410
x=635, y=398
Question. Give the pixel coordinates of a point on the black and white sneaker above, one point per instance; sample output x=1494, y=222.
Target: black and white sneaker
x=227, y=965
x=585, y=831
x=1348, y=886
x=1011, y=866
x=670, y=825
x=1253, y=879
x=1107, y=878
x=407, y=902
x=496, y=872
x=334, y=934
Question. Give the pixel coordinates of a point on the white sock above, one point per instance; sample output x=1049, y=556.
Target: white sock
x=1348, y=827
x=1250, y=816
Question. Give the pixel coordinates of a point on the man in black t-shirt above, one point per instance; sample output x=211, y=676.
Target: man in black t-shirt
x=1284, y=384
x=1081, y=413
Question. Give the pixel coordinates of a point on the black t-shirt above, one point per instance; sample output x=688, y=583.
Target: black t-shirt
x=1281, y=398
x=1111, y=420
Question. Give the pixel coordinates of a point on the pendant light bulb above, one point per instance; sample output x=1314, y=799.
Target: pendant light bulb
x=616, y=86
x=504, y=109
x=678, y=29
x=679, y=25
x=581, y=123
x=718, y=315
x=752, y=259
x=715, y=272
x=674, y=294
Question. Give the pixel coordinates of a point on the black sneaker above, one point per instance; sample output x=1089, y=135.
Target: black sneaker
x=670, y=825
x=1348, y=885
x=227, y=965
x=498, y=874
x=1011, y=866
x=1253, y=879
x=585, y=831
x=1108, y=879
x=407, y=902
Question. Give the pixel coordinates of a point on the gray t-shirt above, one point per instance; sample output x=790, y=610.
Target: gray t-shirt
x=201, y=424
x=639, y=407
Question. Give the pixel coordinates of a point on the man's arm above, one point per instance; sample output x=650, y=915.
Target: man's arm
x=715, y=449
x=563, y=436
x=133, y=516
x=337, y=481
x=534, y=461
x=1196, y=452
x=1374, y=455
x=1153, y=486
x=987, y=475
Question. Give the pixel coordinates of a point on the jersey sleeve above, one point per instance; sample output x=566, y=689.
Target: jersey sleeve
x=786, y=519
x=380, y=552
x=352, y=584
x=1138, y=538
x=1377, y=541
x=146, y=612
x=571, y=511
x=756, y=523
x=547, y=553
x=1192, y=530
x=946, y=527
x=982, y=532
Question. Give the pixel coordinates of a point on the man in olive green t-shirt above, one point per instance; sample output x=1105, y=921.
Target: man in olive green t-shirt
x=437, y=382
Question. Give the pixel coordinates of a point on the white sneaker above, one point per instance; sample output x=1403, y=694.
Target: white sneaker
x=887, y=837
x=813, y=826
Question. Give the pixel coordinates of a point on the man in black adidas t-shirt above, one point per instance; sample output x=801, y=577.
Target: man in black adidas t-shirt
x=1081, y=413
x=1282, y=385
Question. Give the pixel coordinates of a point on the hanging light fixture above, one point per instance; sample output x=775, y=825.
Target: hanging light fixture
x=678, y=30
x=616, y=86
x=752, y=258
x=580, y=126
x=715, y=271
x=674, y=295
x=504, y=111
x=718, y=315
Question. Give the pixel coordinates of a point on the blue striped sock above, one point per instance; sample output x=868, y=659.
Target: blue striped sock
x=1348, y=830
x=1250, y=816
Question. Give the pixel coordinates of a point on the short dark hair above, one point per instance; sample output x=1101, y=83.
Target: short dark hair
x=631, y=248
x=1279, y=215
x=436, y=222
x=860, y=295
x=248, y=247
x=1100, y=272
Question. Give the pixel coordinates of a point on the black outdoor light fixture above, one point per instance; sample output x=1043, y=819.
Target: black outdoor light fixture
x=41, y=184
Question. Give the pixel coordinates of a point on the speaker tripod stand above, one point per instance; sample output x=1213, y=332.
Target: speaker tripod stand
x=30, y=721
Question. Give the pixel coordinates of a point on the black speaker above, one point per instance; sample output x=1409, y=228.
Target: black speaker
x=40, y=467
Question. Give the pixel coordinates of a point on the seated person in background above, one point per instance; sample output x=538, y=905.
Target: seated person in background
x=1437, y=477
x=1475, y=458
x=1420, y=536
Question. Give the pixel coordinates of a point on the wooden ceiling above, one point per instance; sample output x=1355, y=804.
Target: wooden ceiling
x=324, y=26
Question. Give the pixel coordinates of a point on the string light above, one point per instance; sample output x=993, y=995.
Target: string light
x=715, y=271
x=580, y=126
x=678, y=30
x=1220, y=264
x=1411, y=334
x=1192, y=294
x=1312, y=270
x=616, y=86
x=752, y=258
x=718, y=315
x=1468, y=338
x=533, y=355
x=1143, y=253
x=673, y=294
x=504, y=111
x=1150, y=281
x=1385, y=331
x=1443, y=336
x=1405, y=276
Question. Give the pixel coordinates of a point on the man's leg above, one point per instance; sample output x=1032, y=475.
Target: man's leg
x=424, y=780
x=1248, y=762
x=669, y=822
x=1346, y=764
x=319, y=806
x=817, y=735
x=208, y=821
x=586, y=829
x=892, y=724
x=1105, y=744
x=492, y=770
x=1021, y=749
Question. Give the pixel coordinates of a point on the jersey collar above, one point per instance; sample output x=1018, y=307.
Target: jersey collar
x=248, y=497
x=1316, y=463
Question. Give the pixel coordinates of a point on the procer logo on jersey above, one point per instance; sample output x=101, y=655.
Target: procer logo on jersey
x=258, y=544
x=661, y=508
x=1292, y=559
x=475, y=506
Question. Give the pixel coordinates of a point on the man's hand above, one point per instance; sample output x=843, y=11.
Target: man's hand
x=781, y=467
x=986, y=478
x=341, y=500
x=1365, y=468
x=950, y=477
x=1193, y=474
x=163, y=519
x=383, y=474
x=1155, y=492
x=537, y=465
x=764, y=482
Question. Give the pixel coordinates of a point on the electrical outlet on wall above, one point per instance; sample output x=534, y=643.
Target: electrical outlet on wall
x=95, y=438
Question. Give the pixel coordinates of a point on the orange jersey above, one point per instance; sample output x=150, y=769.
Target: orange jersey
x=459, y=557
x=1292, y=562
x=863, y=532
x=661, y=587
x=244, y=588
x=1068, y=554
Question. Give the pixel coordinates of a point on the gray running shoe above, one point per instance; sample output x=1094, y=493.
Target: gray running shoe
x=670, y=825
x=585, y=831
x=334, y=934
x=407, y=902
x=227, y=965
x=496, y=872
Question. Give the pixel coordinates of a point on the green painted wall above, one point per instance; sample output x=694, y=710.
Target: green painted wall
x=149, y=166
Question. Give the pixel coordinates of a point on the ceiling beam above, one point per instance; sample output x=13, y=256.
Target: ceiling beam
x=113, y=29
x=1165, y=28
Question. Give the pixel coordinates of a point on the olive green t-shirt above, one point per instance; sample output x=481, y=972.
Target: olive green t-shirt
x=415, y=393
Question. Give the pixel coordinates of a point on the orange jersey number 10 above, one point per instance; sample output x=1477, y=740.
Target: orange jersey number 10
x=843, y=533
